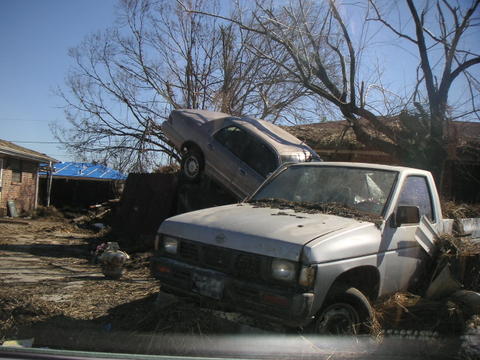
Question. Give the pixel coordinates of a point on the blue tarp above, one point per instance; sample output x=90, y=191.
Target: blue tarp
x=85, y=171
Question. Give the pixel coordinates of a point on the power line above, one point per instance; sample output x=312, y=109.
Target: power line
x=35, y=142
x=19, y=119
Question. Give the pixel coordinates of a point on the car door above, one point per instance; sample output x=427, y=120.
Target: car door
x=259, y=160
x=402, y=259
x=224, y=152
x=240, y=158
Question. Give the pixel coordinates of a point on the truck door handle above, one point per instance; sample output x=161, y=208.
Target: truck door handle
x=242, y=172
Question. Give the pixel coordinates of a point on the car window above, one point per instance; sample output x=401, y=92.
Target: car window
x=260, y=157
x=415, y=192
x=250, y=150
x=233, y=138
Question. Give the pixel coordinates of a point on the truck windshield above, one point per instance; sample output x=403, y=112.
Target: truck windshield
x=365, y=190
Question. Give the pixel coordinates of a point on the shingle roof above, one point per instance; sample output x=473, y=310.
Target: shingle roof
x=85, y=171
x=338, y=134
x=11, y=149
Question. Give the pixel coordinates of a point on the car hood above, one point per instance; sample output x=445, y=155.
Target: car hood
x=261, y=230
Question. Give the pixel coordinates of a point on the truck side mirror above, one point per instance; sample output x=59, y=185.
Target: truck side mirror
x=406, y=215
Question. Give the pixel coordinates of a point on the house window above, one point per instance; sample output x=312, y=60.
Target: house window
x=16, y=166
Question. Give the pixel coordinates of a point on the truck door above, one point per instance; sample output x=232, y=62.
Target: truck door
x=403, y=258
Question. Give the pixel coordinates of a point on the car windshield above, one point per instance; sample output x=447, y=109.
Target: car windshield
x=365, y=190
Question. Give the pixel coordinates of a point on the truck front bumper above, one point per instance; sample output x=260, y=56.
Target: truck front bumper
x=284, y=306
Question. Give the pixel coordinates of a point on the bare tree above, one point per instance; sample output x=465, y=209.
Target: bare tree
x=126, y=80
x=440, y=25
x=324, y=58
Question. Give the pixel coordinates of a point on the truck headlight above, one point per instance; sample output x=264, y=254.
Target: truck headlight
x=283, y=270
x=170, y=244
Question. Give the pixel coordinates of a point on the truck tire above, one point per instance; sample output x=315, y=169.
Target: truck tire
x=192, y=164
x=346, y=311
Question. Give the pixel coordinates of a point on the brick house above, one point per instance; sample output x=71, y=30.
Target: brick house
x=19, y=176
x=335, y=141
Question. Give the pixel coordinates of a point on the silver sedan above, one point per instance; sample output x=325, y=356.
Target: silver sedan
x=238, y=152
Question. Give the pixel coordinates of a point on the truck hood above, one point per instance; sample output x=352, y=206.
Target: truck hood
x=261, y=230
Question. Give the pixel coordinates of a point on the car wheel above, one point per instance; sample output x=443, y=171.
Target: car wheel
x=346, y=312
x=192, y=165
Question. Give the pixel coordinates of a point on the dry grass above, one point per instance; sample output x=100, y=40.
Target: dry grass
x=23, y=305
x=445, y=316
x=463, y=257
x=408, y=311
x=50, y=212
x=452, y=210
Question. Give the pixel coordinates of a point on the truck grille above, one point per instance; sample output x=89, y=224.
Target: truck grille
x=247, y=266
x=188, y=251
x=216, y=258
x=232, y=262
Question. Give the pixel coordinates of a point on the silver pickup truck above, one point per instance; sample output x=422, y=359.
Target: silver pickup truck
x=313, y=246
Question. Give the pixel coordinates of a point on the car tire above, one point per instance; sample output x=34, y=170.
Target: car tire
x=346, y=311
x=192, y=165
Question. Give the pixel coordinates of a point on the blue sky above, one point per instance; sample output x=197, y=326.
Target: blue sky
x=34, y=39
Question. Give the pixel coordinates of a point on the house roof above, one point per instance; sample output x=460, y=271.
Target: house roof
x=326, y=135
x=14, y=150
x=85, y=171
x=338, y=134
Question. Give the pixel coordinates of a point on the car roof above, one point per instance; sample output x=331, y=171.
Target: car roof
x=202, y=115
x=283, y=141
x=270, y=132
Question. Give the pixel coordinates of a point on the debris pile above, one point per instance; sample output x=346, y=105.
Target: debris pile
x=168, y=169
x=49, y=212
x=98, y=214
x=462, y=256
x=111, y=259
x=409, y=312
x=310, y=208
x=449, y=303
x=452, y=210
x=139, y=261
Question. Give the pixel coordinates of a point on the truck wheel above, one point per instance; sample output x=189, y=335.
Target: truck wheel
x=192, y=164
x=346, y=312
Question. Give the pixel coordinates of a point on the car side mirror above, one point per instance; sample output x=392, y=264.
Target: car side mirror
x=406, y=215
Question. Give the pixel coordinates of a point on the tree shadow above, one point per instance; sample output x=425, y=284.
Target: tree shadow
x=185, y=329
x=49, y=250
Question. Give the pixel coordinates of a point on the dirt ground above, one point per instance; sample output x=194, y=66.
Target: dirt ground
x=46, y=273
x=51, y=292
